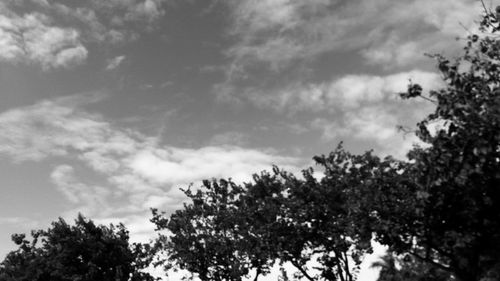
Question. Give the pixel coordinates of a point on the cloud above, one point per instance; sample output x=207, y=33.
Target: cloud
x=18, y=221
x=282, y=44
x=175, y=166
x=83, y=198
x=57, y=34
x=277, y=32
x=11, y=220
x=146, y=10
x=131, y=10
x=377, y=125
x=340, y=94
x=362, y=107
x=370, y=123
x=359, y=107
x=131, y=172
x=32, y=38
x=115, y=62
x=352, y=91
x=229, y=138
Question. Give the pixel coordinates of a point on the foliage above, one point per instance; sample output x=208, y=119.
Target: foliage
x=393, y=268
x=228, y=229
x=83, y=252
x=454, y=181
x=439, y=208
x=206, y=234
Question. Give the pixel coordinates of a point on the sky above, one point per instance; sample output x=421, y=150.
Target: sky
x=108, y=107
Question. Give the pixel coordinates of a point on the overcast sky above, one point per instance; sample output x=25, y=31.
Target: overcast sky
x=109, y=106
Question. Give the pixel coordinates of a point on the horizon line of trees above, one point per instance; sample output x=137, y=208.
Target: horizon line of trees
x=437, y=212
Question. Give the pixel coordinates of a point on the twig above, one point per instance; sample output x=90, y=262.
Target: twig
x=302, y=270
x=484, y=6
x=443, y=267
x=428, y=99
x=464, y=27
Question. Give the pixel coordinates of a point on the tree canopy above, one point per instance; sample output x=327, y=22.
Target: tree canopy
x=439, y=208
x=83, y=251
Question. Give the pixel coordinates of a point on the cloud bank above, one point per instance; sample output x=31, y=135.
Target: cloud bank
x=278, y=32
x=58, y=34
x=131, y=172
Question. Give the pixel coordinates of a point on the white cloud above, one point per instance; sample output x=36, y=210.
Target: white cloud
x=377, y=125
x=292, y=98
x=9, y=47
x=384, y=32
x=175, y=166
x=340, y=94
x=148, y=9
x=115, y=62
x=229, y=138
x=138, y=173
x=352, y=91
x=18, y=221
x=360, y=108
x=83, y=198
x=129, y=11
x=37, y=35
x=363, y=108
x=10, y=220
x=33, y=38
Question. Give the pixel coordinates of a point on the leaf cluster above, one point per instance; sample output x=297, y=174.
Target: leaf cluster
x=80, y=252
x=439, y=207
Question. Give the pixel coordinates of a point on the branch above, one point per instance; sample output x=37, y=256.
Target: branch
x=464, y=27
x=340, y=259
x=302, y=270
x=257, y=274
x=339, y=268
x=347, y=270
x=484, y=7
x=428, y=99
x=487, y=13
x=434, y=247
x=443, y=267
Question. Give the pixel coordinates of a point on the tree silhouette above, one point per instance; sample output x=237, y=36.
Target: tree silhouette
x=439, y=208
x=393, y=268
x=83, y=251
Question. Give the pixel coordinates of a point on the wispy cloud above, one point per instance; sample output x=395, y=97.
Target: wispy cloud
x=82, y=197
x=376, y=125
x=33, y=38
x=284, y=39
x=339, y=94
x=365, y=108
x=115, y=62
x=229, y=138
x=18, y=221
x=279, y=42
x=32, y=31
x=385, y=32
x=138, y=173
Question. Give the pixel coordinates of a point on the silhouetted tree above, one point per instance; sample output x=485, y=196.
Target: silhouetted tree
x=439, y=208
x=83, y=251
x=227, y=230
x=451, y=186
x=407, y=268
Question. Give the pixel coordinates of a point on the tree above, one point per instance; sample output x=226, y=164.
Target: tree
x=204, y=236
x=454, y=222
x=228, y=230
x=84, y=252
x=439, y=208
x=298, y=220
x=393, y=268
